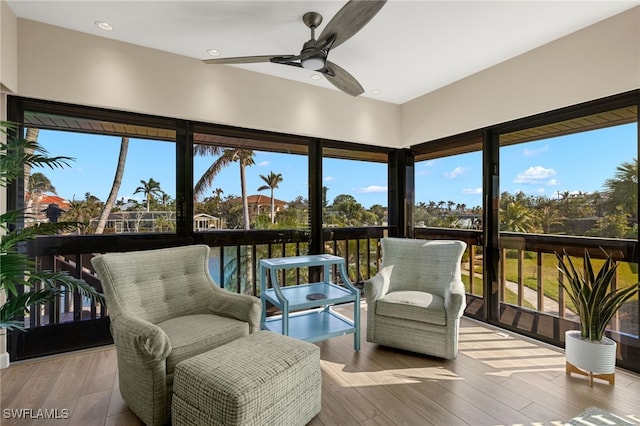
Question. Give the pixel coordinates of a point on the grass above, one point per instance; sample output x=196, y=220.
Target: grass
x=510, y=296
x=551, y=287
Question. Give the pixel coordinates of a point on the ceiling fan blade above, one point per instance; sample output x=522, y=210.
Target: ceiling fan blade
x=246, y=59
x=342, y=79
x=350, y=19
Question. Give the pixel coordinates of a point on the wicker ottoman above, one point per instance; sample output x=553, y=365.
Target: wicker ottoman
x=261, y=379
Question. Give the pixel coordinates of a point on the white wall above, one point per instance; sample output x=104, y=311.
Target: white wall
x=598, y=61
x=68, y=66
x=63, y=65
x=8, y=51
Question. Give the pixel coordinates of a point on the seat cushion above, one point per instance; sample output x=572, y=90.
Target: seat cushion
x=194, y=334
x=414, y=306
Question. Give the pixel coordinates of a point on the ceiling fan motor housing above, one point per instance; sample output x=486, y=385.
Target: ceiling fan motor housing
x=316, y=61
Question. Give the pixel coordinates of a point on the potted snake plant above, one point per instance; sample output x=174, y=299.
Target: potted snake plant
x=21, y=284
x=596, y=303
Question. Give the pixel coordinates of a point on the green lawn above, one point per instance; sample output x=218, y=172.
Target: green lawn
x=510, y=296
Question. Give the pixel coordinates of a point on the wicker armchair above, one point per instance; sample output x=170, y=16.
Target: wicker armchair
x=164, y=308
x=417, y=298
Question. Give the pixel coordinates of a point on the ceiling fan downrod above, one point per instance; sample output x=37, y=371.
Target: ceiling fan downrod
x=316, y=61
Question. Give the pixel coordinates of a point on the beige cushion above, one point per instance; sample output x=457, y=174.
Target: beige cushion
x=193, y=334
x=414, y=306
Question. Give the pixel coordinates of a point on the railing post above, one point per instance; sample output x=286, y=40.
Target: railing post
x=520, y=277
x=539, y=282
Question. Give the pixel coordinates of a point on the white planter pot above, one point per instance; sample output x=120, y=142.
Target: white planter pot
x=593, y=357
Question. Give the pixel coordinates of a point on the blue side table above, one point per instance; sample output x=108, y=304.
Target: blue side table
x=309, y=319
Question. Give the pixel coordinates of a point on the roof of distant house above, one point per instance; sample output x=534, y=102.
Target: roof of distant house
x=47, y=199
x=263, y=200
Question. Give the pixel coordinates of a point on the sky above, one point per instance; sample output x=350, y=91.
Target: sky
x=578, y=162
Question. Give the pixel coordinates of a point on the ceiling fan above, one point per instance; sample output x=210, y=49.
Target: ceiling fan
x=348, y=21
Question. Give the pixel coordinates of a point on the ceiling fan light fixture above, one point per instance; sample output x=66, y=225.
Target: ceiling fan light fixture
x=315, y=62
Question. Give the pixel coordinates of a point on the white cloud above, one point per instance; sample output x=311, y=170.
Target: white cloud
x=455, y=172
x=372, y=188
x=329, y=179
x=264, y=163
x=472, y=191
x=534, y=175
x=553, y=182
x=532, y=152
x=424, y=168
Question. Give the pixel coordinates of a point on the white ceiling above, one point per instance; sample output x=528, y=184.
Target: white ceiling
x=410, y=47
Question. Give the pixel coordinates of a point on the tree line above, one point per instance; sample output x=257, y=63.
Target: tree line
x=611, y=212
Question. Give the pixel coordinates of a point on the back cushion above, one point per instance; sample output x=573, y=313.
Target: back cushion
x=421, y=265
x=156, y=285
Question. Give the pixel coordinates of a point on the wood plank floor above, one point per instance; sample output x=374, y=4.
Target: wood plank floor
x=498, y=379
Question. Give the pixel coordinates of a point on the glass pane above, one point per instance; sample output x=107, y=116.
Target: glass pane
x=578, y=181
x=354, y=193
x=448, y=192
x=141, y=191
x=274, y=186
x=579, y=184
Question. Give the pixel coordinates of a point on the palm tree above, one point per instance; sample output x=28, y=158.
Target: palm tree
x=115, y=187
x=516, y=217
x=82, y=211
x=272, y=180
x=622, y=189
x=547, y=217
x=165, y=199
x=244, y=157
x=39, y=183
x=32, y=137
x=150, y=190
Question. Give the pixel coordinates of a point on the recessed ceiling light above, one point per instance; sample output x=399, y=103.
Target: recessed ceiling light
x=376, y=91
x=213, y=52
x=316, y=76
x=104, y=25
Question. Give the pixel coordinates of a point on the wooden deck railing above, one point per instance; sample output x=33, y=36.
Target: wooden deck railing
x=235, y=257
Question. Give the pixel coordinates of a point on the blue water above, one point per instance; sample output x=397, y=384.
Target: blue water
x=214, y=267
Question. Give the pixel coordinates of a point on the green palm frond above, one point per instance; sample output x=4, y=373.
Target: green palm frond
x=17, y=153
x=19, y=305
x=23, y=285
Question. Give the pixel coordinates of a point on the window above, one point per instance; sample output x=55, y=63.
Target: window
x=448, y=192
x=582, y=183
x=115, y=182
x=241, y=184
x=354, y=192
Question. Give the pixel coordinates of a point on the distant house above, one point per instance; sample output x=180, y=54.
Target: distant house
x=206, y=222
x=40, y=207
x=261, y=204
x=124, y=222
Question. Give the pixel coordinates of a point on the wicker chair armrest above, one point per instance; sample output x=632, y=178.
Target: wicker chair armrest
x=455, y=299
x=377, y=286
